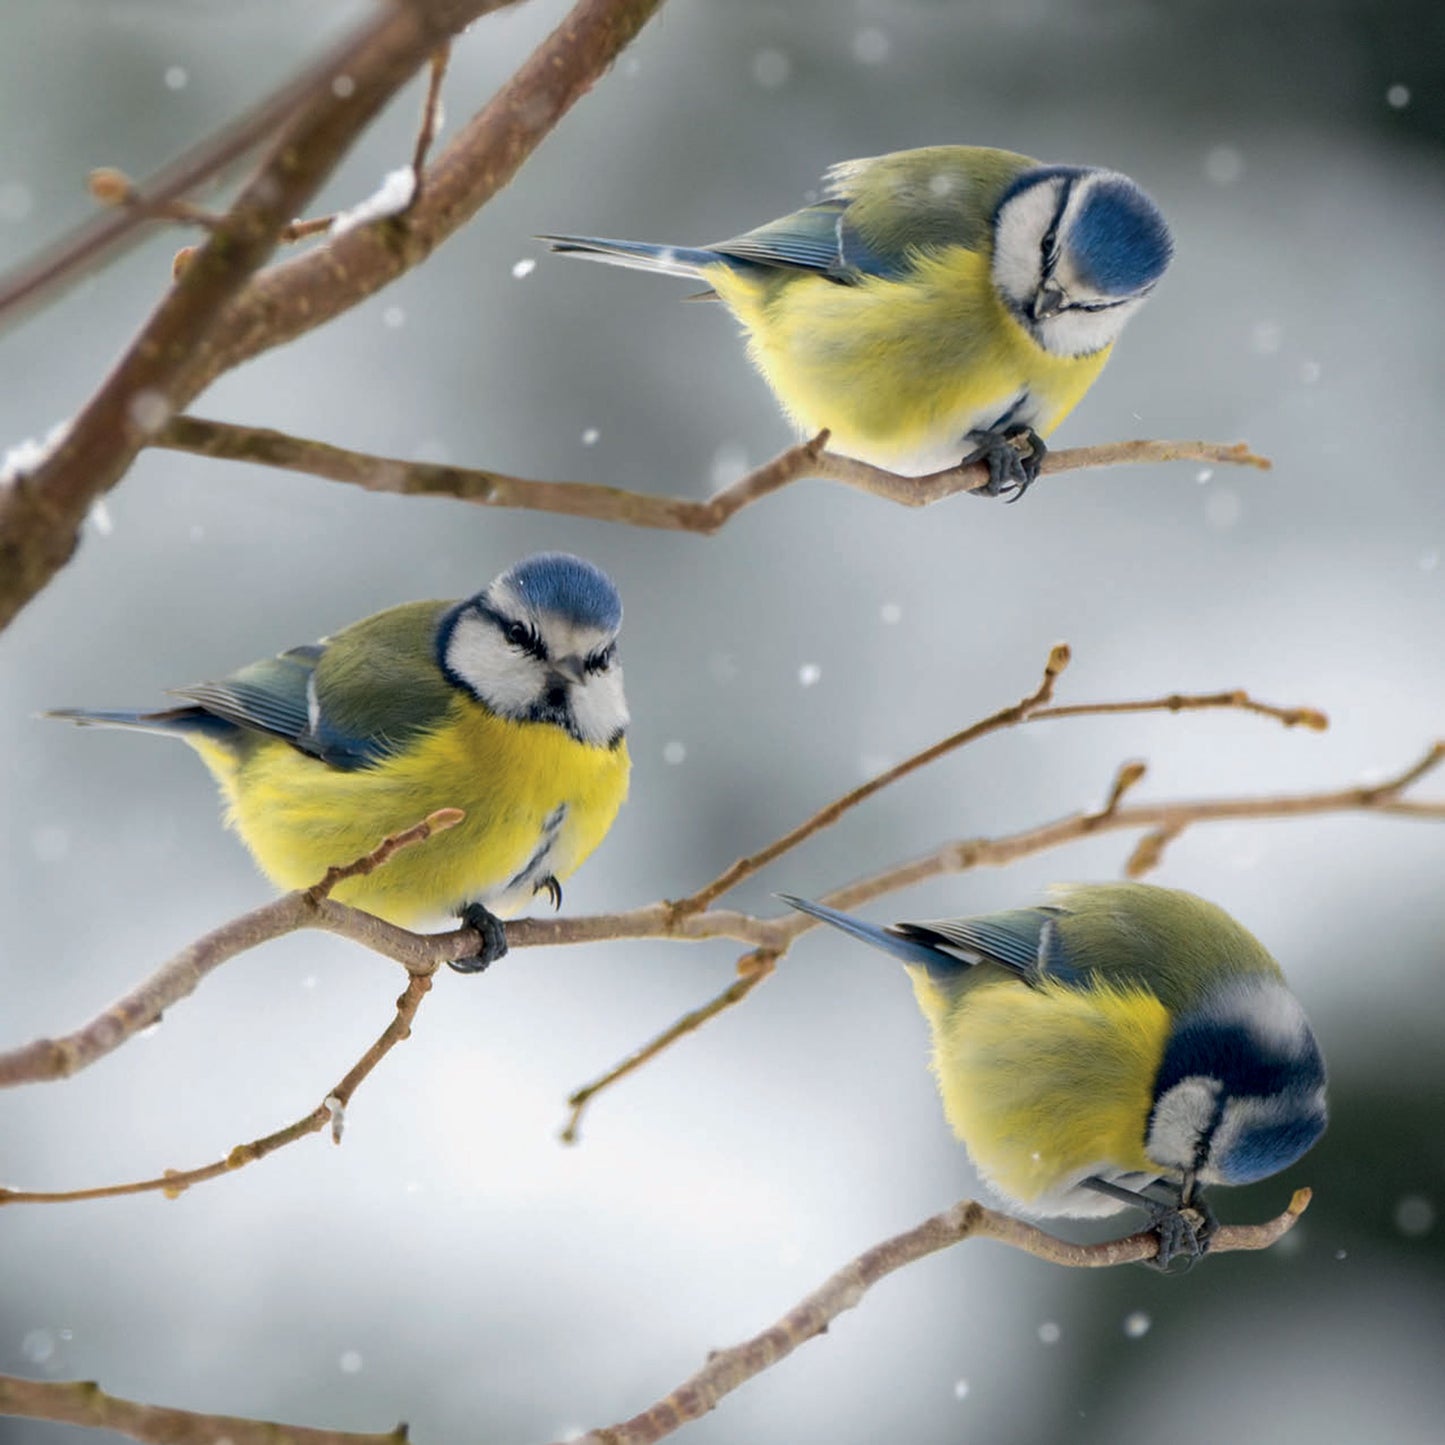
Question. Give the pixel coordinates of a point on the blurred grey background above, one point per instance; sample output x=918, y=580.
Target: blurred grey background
x=452, y=1264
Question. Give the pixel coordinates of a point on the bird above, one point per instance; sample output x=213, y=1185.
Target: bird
x=937, y=307
x=507, y=705
x=1120, y=1045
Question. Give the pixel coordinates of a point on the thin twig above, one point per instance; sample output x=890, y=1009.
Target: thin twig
x=174, y=1182
x=85, y=1403
x=810, y=459
x=769, y=938
x=727, y=1369
x=431, y=115
x=219, y=313
x=1006, y=717
x=306, y=908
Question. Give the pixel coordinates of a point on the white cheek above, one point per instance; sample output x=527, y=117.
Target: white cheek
x=1018, y=234
x=506, y=680
x=599, y=708
x=1180, y=1120
x=1079, y=333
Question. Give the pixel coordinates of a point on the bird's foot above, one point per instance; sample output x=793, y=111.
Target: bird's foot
x=493, y=934
x=1183, y=1221
x=552, y=888
x=1184, y=1231
x=1012, y=469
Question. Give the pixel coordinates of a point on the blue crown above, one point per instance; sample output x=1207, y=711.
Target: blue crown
x=568, y=587
x=1118, y=241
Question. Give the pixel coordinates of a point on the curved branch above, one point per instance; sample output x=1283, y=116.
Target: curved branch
x=211, y=318
x=85, y=1403
x=726, y=1370
x=268, y=448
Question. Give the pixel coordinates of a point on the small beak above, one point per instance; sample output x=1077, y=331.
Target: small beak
x=1049, y=300
x=568, y=669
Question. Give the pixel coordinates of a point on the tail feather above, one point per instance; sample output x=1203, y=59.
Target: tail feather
x=169, y=722
x=639, y=255
x=908, y=949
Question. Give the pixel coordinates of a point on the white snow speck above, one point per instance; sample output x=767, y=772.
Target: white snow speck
x=960, y=1389
x=809, y=674
x=176, y=77
x=101, y=519
x=1414, y=1216
x=674, y=752
x=150, y=410
x=24, y=457
x=591, y=437
x=871, y=46
x=50, y=843
x=350, y=1362
x=343, y=87
x=1310, y=372
x=891, y=613
x=38, y=1346
x=1265, y=338
x=1222, y=509
x=1137, y=1324
x=393, y=318
x=1203, y=475
x=729, y=464
x=16, y=202
x=523, y=268
x=392, y=195
x=771, y=68
x=1050, y=1333
x=1223, y=165
x=1397, y=97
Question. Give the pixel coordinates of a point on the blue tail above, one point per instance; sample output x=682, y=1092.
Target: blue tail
x=171, y=722
x=640, y=255
x=907, y=949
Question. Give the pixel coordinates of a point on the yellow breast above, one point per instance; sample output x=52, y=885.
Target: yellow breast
x=1045, y=1084
x=901, y=371
x=524, y=787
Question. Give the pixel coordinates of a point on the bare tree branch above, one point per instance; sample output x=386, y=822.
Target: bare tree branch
x=211, y=318
x=690, y=919
x=268, y=448
x=84, y=1403
x=726, y=1369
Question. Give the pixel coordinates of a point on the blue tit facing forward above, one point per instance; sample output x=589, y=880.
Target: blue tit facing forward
x=937, y=304
x=507, y=705
x=1121, y=1045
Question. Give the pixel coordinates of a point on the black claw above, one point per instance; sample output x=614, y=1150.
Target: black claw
x=553, y=889
x=1184, y=1222
x=1011, y=471
x=493, y=935
x=1184, y=1231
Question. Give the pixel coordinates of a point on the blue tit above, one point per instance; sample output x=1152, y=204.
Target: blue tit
x=937, y=304
x=1120, y=1045
x=507, y=705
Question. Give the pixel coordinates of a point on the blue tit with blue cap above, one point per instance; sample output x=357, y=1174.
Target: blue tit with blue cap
x=507, y=705
x=946, y=303
x=1122, y=1045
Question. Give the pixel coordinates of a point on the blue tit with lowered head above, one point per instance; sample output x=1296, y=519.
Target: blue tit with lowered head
x=507, y=705
x=942, y=305
x=1122, y=1045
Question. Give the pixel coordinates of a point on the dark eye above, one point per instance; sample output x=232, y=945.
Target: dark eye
x=601, y=661
x=523, y=637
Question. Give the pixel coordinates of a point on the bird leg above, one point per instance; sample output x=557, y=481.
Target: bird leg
x=1184, y=1223
x=1011, y=470
x=553, y=889
x=493, y=935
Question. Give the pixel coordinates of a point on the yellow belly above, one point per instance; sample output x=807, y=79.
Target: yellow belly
x=1046, y=1085
x=901, y=372
x=298, y=816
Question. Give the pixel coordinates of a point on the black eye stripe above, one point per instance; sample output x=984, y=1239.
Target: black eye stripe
x=1049, y=247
